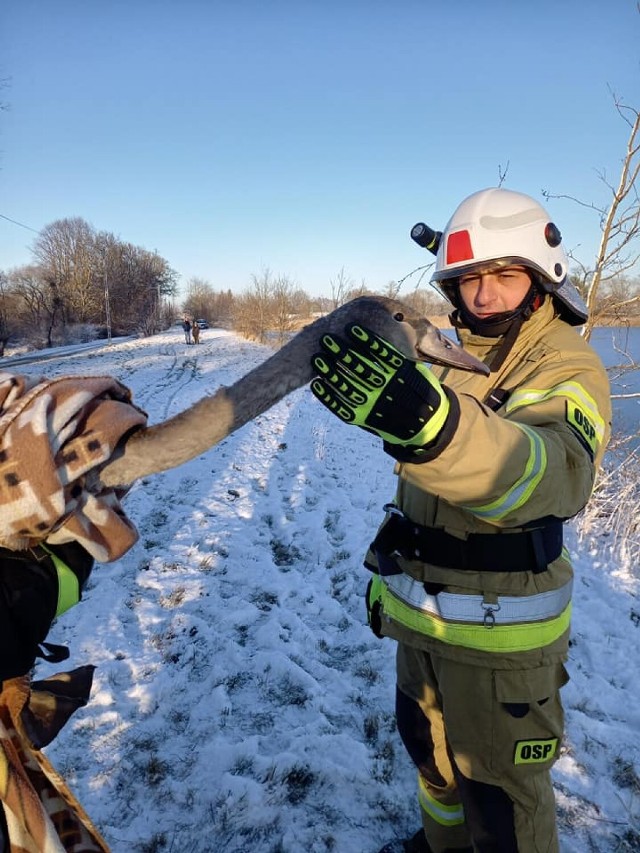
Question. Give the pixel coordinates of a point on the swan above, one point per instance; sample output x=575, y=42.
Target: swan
x=178, y=439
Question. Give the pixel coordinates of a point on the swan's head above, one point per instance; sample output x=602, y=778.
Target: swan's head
x=413, y=335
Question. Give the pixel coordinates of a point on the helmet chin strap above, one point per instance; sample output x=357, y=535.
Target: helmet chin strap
x=507, y=323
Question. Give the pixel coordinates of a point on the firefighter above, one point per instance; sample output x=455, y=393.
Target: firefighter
x=469, y=573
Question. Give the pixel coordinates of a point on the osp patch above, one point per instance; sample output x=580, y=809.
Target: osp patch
x=535, y=751
x=583, y=426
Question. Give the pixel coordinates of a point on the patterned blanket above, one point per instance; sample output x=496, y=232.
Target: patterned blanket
x=53, y=434
x=41, y=814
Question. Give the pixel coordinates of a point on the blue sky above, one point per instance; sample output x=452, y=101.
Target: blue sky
x=304, y=137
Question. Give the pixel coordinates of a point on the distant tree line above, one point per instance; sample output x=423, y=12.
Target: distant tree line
x=83, y=282
x=273, y=307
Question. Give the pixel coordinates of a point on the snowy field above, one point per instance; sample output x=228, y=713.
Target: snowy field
x=240, y=703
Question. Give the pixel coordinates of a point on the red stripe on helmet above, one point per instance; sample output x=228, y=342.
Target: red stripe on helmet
x=459, y=247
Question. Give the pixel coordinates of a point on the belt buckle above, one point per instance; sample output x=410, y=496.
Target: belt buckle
x=392, y=509
x=38, y=553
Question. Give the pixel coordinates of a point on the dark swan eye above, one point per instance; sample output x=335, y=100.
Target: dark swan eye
x=399, y=317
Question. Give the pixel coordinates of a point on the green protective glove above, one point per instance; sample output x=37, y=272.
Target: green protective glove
x=367, y=382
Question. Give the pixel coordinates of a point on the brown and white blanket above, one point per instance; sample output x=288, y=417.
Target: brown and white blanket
x=53, y=434
x=41, y=814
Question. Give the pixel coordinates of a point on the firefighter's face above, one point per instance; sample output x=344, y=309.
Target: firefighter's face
x=494, y=291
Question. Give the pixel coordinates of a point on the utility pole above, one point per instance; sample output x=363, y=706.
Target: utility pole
x=107, y=306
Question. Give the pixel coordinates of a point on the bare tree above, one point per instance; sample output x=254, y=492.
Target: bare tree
x=618, y=300
x=618, y=251
x=357, y=290
x=502, y=173
x=252, y=315
x=282, y=307
x=392, y=289
x=155, y=279
x=40, y=304
x=27, y=286
x=222, y=309
x=300, y=303
x=341, y=286
x=428, y=302
x=198, y=299
x=66, y=251
x=271, y=304
x=132, y=284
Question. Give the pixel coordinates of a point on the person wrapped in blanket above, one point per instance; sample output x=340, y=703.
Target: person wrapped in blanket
x=53, y=525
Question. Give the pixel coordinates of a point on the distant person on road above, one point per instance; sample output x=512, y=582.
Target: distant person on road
x=186, y=325
x=469, y=572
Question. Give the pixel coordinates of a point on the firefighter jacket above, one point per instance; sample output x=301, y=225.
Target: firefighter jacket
x=518, y=454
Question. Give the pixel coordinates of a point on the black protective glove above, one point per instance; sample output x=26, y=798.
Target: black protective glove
x=368, y=382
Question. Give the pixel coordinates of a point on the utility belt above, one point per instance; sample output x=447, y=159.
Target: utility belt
x=524, y=551
x=492, y=623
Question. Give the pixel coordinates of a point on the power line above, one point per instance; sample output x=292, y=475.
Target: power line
x=21, y=224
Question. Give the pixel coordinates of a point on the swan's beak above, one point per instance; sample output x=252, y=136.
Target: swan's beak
x=436, y=348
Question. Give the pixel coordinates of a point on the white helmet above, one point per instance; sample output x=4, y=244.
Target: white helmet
x=497, y=227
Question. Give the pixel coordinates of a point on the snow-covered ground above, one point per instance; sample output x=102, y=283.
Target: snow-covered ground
x=240, y=702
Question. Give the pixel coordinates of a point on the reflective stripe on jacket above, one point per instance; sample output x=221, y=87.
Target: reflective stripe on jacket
x=68, y=583
x=535, y=457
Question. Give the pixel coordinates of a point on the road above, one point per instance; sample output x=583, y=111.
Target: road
x=57, y=353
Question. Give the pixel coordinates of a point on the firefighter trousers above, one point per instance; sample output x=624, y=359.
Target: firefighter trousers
x=484, y=740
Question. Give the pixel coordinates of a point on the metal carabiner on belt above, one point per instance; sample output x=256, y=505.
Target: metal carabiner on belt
x=392, y=509
x=490, y=610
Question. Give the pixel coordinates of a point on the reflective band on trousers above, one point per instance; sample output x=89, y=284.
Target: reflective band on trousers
x=68, y=584
x=444, y=815
x=511, y=624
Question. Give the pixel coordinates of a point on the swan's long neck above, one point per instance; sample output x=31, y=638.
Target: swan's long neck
x=213, y=418
x=200, y=427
